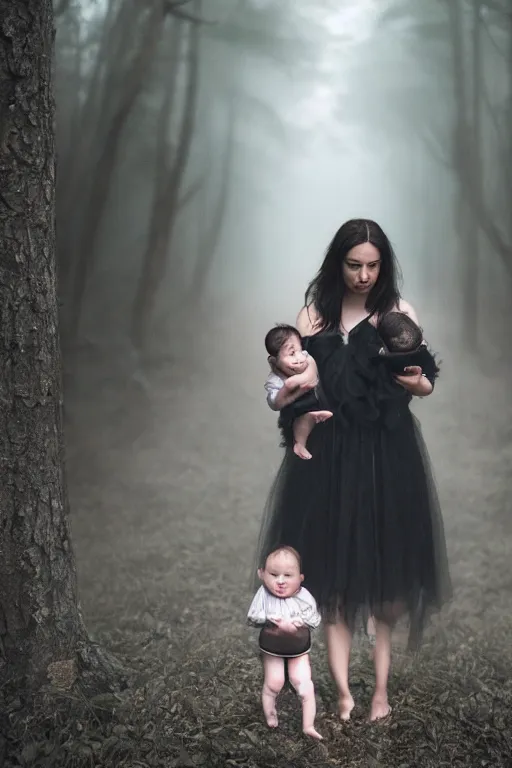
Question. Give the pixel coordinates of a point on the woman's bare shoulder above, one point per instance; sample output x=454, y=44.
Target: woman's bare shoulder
x=308, y=320
x=407, y=309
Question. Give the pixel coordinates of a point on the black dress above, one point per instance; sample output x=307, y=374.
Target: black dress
x=363, y=512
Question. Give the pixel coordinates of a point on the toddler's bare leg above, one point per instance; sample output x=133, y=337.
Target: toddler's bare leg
x=274, y=680
x=299, y=671
x=302, y=427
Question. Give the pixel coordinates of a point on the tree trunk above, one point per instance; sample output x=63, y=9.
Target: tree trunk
x=474, y=172
x=96, y=108
x=104, y=171
x=165, y=210
x=68, y=131
x=163, y=129
x=42, y=635
x=463, y=153
x=466, y=153
x=211, y=233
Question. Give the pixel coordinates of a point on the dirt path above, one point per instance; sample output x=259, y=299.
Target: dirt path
x=165, y=529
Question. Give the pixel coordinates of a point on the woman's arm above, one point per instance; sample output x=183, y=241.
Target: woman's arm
x=308, y=321
x=416, y=382
x=297, y=384
x=408, y=309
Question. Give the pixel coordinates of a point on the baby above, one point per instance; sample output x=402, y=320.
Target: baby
x=404, y=346
x=286, y=611
x=294, y=377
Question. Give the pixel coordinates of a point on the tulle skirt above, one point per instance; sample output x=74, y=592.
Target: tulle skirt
x=364, y=515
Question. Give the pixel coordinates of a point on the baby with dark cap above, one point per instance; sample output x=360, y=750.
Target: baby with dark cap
x=404, y=346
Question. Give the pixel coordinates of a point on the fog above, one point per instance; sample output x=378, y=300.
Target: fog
x=301, y=120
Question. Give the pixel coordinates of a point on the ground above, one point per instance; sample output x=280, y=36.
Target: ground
x=166, y=500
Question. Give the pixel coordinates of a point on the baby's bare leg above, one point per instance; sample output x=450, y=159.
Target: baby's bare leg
x=299, y=671
x=274, y=680
x=302, y=428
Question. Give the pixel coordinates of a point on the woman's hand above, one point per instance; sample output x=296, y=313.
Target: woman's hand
x=414, y=382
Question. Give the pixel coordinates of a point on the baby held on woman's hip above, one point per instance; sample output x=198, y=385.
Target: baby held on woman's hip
x=293, y=374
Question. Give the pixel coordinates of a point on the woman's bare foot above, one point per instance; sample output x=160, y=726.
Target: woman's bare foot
x=301, y=451
x=319, y=416
x=272, y=720
x=380, y=708
x=345, y=705
x=311, y=731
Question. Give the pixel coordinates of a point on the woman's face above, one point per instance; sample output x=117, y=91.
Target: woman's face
x=361, y=268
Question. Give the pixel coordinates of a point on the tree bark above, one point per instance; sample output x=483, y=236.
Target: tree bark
x=42, y=634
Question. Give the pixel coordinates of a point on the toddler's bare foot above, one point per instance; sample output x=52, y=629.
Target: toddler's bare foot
x=272, y=720
x=346, y=705
x=301, y=451
x=380, y=708
x=319, y=416
x=311, y=731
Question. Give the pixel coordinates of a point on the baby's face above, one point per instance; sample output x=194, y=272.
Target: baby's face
x=292, y=358
x=281, y=574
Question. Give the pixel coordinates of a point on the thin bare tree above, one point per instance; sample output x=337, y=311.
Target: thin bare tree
x=168, y=191
x=213, y=211
x=104, y=171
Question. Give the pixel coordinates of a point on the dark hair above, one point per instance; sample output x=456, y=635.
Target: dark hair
x=327, y=289
x=277, y=336
x=399, y=332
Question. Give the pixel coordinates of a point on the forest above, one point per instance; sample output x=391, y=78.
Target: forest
x=171, y=173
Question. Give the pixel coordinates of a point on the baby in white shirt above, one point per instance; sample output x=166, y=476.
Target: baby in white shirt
x=286, y=612
x=293, y=375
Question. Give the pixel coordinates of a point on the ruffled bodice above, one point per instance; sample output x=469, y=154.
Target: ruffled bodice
x=357, y=386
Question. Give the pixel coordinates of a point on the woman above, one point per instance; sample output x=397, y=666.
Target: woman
x=363, y=512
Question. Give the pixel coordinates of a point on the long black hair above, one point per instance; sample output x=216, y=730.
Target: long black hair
x=327, y=289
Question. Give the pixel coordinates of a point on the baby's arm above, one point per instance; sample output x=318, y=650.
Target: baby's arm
x=257, y=614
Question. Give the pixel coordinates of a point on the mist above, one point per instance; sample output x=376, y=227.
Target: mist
x=207, y=154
